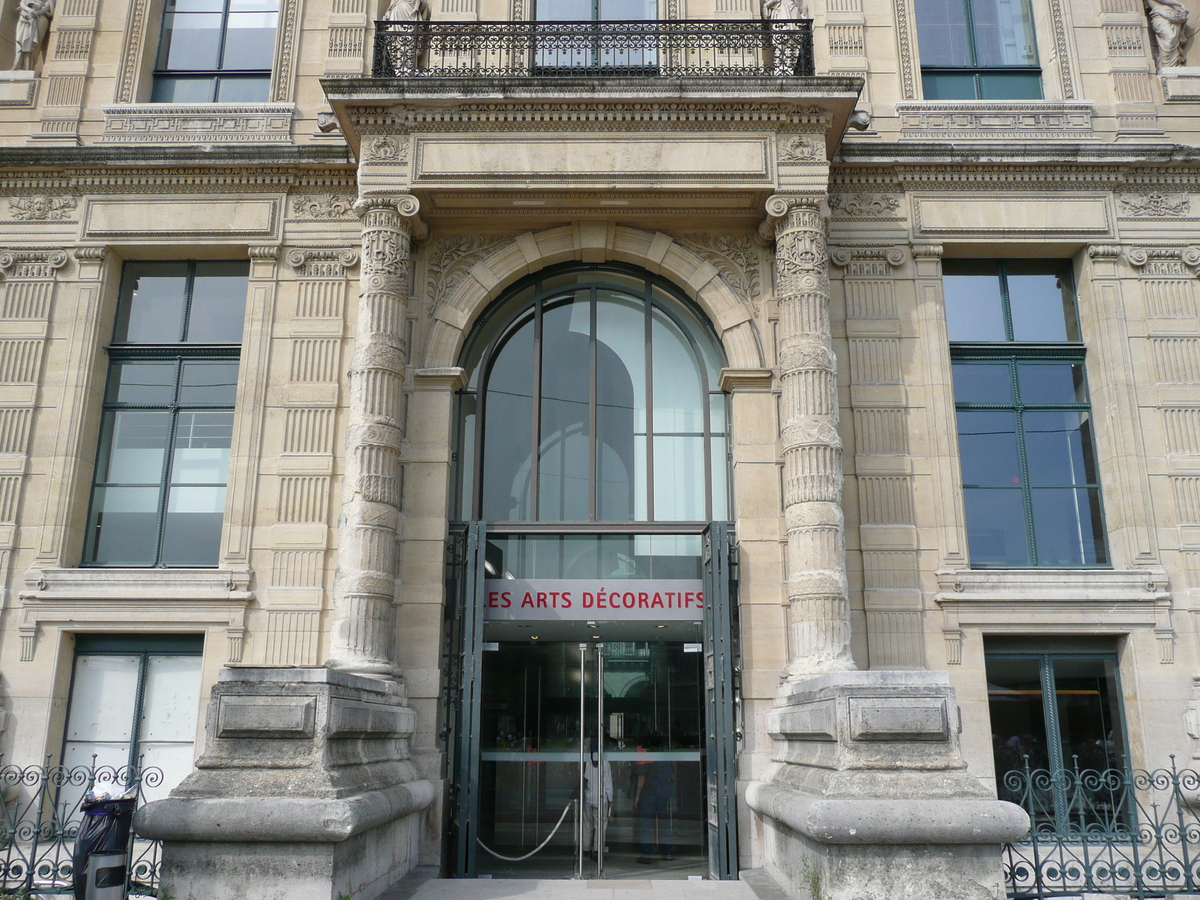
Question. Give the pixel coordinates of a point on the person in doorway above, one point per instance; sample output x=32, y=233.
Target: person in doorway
x=652, y=803
x=595, y=788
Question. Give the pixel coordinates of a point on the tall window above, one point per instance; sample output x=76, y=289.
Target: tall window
x=134, y=702
x=216, y=51
x=1030, y=484
x=1057, y=710
x=594, y=398
x=165, y=435
x=978, y=50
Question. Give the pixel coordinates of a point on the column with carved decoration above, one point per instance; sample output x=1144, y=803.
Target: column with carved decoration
x=362, y=639
x=819, y=619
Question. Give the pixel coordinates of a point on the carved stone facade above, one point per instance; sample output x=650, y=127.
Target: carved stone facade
x=815, y=253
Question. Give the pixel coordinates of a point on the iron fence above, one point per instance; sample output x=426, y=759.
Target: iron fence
x=40, y=817
x=685, y=49
x=1134, y=832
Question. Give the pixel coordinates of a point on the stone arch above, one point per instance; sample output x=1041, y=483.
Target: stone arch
x=592, y=242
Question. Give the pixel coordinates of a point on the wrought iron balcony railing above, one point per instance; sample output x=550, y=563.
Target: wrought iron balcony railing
x=662, y=49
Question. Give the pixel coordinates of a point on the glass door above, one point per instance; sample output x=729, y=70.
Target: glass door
x=591, y=760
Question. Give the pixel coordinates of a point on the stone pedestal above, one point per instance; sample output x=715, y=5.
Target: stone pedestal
x=869, y=798
x=305, y=791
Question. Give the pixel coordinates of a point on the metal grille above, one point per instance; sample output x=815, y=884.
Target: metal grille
x=663, y=49
x=1134, y=833
x=40, y=819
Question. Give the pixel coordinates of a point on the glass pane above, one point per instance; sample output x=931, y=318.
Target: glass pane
x=564, y=10
x=1042, y=303
x=132, y=447
x=1010, y=85
x=996, y=527
x=172, y=698
x=1016, y=706
x=141, y=383
x=250, y=40
x=218, y=302
x=182, y=90
x=190, y=41
x=175, y=760
x=1068, y=529
x=948, y=86
x=564, y=442
x=192, y=529
x=508, y=429
x=244, y=89
x=124, y=526
x=620, y=406
x=1051, y=382
x=1058, y=447
x=680, y=392
x=982, y=383
x=151, y=307
x=202, y=442
x=1089, y=717
x=942, y=33
x=208, y=383
x=987, y=444
x=103, y=695
x=679, y=476
x=1003, y=33
x=974, y=311
x=720, y=479
x=638, y=10
x=466, y=453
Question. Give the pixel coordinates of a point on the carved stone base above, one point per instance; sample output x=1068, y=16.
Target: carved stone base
x=305, y=791
x=869, y=798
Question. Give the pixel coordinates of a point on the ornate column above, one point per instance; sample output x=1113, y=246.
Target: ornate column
x=364, y=587
x=819, y=614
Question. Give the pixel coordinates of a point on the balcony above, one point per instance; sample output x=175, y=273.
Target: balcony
x=725, y=48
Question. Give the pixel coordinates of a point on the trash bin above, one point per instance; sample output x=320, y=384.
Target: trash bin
x=101, y=848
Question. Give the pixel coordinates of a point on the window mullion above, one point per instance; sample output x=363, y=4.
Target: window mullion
x=593, y=436
x=536, y=449
x=969, y=13
x=135, y=728
x=648, y=306
x=1023, y=465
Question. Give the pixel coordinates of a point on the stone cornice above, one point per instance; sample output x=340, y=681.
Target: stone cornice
x=158, y=179
x=143, y=157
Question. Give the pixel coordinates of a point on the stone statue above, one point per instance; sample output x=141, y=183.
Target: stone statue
x=32, y=25
x=782, y=9
x=408, y=11
x=1168, y=21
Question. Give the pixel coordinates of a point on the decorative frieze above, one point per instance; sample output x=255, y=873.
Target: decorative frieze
x=322, y=299
x=315, y=360
x=1182, y=428
x=215, y=123
x=981, y=120
x=846, y=40
x=448, y=260
x=322, y=207
x=880, y=432
x=801, y=148
x=72, y=44
x=41, y=208
x=303, y=498
x=1176, y=359
x=330, y=262
x=1164, y=261
x=861, y=205
x=875, y=361
x=736, y=258
x=885, y=500
x=1124, y=40
x=31, y=264
x=1170, y=298
x=308, y=431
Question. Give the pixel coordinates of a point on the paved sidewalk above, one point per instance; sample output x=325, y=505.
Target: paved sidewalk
x=423, y=884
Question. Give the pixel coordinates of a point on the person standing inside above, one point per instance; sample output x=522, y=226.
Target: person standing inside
x=595, y=788
x=652, y=803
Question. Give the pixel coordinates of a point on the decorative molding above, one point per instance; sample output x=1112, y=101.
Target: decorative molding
x=801, y=148
x=289, y=25
x=42, y=208
x=329, y=262
x=868, y=262
x=1164, y=261
x=31, y=263
x=207, y=123
x=323, y=207
x=386, y=148
x=586, y=115
x=1063, y=53
x=907, y=60
x=736, y=258
x=991, y=120
x=126, y=177
x=131, y=56
x=1180, y=84
x=448, y=260
x=861, y=205
x=1153, y=204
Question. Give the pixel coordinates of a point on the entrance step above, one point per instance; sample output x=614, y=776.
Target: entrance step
x=423, y=884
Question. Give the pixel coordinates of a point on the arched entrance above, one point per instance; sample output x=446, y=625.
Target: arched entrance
x=591, y=710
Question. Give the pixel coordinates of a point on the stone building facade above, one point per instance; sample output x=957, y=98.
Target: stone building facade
x=259, y=271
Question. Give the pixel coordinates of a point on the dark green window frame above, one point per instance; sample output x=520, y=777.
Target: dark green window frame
x=1029, y=418
x=977, y=80
x=118, y=504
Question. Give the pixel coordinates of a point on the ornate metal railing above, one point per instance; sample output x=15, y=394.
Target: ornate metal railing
x=1133, y=832
x=39, y=820
x=676, y=48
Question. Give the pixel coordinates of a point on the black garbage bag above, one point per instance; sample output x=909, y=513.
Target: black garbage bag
x=105, y=829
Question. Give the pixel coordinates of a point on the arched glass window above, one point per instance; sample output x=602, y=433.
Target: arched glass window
x=593, y=397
